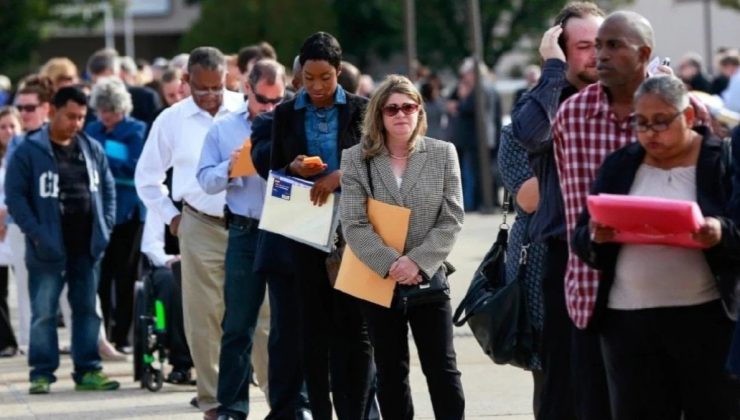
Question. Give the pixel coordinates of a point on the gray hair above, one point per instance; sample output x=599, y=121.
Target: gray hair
x=266, y=69
x=180, y=61
x=104, y=60
x=129, y=65
x=669, y=89
x=207, y=58
x=110, y=94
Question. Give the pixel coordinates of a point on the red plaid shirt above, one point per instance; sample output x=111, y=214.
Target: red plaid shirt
x=586, y=130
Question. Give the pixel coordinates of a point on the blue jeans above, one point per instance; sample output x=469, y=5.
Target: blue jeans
x=44, y=286
x=244, y=292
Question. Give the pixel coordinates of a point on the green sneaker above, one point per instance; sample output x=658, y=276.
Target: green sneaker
x=40, y=385
x=96, y=381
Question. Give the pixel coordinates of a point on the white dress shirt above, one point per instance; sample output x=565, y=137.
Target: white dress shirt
x=175, y=141
x=152, y=240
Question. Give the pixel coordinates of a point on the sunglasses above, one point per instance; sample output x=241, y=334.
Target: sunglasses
x=407, y=109
x=27, y=107
x=264, y=100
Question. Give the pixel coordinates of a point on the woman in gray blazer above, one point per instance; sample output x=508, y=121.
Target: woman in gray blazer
x=422, y=174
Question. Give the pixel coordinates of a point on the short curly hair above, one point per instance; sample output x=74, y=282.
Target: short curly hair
x=321, y=46
x=110, y=94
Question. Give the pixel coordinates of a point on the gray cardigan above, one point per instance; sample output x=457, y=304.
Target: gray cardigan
x=430, y=188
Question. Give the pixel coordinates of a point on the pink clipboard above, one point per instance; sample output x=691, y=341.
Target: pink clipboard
x=648, y=220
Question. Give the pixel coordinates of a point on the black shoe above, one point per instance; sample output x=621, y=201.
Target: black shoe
x=180, y=377
x=194, y=402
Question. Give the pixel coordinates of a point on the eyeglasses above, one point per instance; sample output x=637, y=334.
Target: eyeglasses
x=206, y=92
x=27, y=107
x=407, y=109
x=264, y=100
x=643, y=126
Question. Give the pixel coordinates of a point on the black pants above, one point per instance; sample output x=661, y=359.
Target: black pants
x=335, y=341
x=431, y=326
x=574, y=384
x=7, y=337
x=665, y=361
x=166, y=284
x=119, y=270
x=285, y=373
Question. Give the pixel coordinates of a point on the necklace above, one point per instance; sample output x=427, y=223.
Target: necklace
x=398, y=157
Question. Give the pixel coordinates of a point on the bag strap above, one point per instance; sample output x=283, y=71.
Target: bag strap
x=505, y=208
x=370, y=177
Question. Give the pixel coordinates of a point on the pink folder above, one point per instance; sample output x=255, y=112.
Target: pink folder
x=647, y=220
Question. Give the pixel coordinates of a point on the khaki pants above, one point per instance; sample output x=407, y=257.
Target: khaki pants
x=259, y=347
x=203, y=249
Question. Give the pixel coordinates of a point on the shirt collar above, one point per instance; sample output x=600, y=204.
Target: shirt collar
x=191, y=108
x=600, y=103
x=304, y=101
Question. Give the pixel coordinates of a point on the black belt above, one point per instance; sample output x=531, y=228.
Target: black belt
x=242, y=221
x=219, y=220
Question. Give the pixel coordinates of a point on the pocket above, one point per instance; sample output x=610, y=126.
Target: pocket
x=44, y=249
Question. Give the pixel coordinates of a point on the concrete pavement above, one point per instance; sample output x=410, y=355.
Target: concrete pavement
x=492, y=391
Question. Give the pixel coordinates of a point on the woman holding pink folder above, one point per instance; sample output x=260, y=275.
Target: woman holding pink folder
x=664, y=332
x=397, y=165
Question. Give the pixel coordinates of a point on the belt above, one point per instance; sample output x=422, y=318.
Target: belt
x=219, y=220
x=243, y=221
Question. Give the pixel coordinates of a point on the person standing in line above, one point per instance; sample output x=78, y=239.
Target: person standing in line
x=323, y=120
x=61, y=194
x=244, y=290
x=569, y=389
x=175, y=141
x=422, y=174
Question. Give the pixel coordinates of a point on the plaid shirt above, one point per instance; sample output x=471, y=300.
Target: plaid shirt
x=586, y=130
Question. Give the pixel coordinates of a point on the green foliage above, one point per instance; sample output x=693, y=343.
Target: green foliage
x=734, y=4
x=232, y=24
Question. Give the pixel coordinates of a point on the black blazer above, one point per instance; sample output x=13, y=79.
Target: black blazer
x=289, y=130
x=713, y=189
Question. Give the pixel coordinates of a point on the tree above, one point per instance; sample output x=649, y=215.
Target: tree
x=232, y=24
x=23, y=26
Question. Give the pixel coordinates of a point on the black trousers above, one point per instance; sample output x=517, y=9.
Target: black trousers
x=285, y=373
x=118, y=273
x=335, y=341
x=166, y=284
x=663, y=362
x=574, y=384
x=7, y=337
x=431, y=326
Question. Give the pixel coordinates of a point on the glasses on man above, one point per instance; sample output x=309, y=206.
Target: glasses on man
x=27, y=107
x=407, y=109
x=264, y=100
x=205, y=92
x=642, y=125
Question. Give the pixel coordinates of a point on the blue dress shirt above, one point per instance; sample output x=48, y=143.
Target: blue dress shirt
x=244, y=195
x=322, y=128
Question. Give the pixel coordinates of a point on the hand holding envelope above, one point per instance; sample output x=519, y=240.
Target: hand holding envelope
x=243, y=165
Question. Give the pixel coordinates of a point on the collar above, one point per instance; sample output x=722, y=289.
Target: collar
x=190, y=108
x=304, y=101
x=601, y=101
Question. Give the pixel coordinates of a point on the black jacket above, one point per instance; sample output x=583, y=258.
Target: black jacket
x=713, y=188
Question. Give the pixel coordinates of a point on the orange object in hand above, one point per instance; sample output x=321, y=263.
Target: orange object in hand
x=313, y=161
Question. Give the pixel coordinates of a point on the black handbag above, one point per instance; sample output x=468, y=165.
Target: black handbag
x=430, y=290
x=496, y=311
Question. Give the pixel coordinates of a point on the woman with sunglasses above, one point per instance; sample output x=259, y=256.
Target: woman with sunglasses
x=664, y=332
x=409, y=170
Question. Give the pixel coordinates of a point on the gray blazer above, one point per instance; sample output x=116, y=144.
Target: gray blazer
x=430, y=188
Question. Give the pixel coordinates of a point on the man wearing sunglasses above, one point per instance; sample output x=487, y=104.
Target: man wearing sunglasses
x=244, y=291
x=175, y=141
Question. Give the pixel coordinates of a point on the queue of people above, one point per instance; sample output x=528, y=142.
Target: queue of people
x=96, y=176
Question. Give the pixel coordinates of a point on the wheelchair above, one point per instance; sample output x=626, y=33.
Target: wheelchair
x=150, y=332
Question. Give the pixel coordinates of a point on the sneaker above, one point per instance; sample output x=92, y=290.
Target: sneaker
x=40, y=385
x=96, y=381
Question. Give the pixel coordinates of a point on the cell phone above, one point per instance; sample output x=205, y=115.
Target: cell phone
x=666, y=61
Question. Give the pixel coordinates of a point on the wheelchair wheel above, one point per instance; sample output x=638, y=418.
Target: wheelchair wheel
x=140, y=330
x=153, y=379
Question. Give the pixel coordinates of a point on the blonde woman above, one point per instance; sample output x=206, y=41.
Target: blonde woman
x=396, y=164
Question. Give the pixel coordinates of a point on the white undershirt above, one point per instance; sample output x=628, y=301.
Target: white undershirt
x=652, y=276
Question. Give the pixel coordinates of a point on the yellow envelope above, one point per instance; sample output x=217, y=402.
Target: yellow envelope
x=355, y=278
x=244, y=165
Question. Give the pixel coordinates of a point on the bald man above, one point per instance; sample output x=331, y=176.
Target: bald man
x=588, y=126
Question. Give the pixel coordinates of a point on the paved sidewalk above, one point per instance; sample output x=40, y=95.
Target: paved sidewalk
x=492, y=392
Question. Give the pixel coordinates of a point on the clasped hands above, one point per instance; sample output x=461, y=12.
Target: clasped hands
x=405, y=272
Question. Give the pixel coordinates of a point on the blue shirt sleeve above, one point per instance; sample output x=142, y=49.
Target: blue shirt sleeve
x=213, y=169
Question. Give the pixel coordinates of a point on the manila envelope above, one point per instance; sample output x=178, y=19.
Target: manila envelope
x=243, y=165
x=355, y=278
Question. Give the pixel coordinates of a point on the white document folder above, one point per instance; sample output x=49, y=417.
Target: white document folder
x=288, y=211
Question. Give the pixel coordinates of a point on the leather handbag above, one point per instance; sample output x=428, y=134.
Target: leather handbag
x=430, y=290
x=496, y=311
